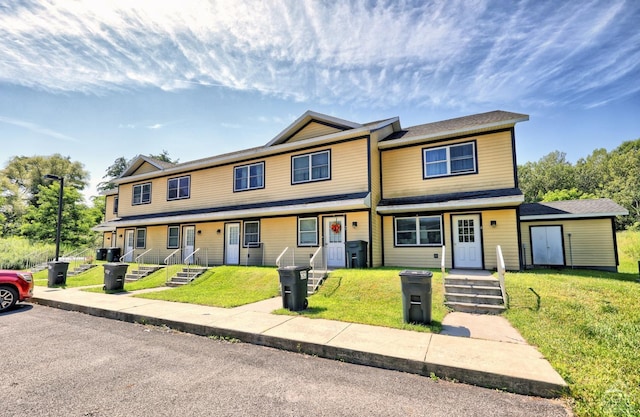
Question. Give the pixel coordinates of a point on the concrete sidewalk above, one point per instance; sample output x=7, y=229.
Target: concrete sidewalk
x=498, y=359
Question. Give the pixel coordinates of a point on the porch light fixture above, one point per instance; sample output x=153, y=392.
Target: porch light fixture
x=199, y=232
x=354, y=224
x=218, y=231
x=59, y=223
x=494, y=223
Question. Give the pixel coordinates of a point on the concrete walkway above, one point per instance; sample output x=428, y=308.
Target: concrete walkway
x=490, y=352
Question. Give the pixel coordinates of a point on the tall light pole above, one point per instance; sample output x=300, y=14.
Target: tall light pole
x=59, y=223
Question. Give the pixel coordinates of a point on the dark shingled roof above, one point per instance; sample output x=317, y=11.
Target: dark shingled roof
x=442, y=198
x=601, y=206
x=461, y=123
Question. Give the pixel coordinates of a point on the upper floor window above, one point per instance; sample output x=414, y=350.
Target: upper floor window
x=310, y=167
x=248, y=177
x=173, y=237
x=308, y=232
x=450, y=160
x=251, y=233
x=142, y=193
x=178, y=188
x=115, y=205
x=418, y=231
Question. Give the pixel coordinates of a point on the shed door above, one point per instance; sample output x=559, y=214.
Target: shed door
x=546, y=245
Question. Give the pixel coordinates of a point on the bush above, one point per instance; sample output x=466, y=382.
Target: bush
x=18, y=253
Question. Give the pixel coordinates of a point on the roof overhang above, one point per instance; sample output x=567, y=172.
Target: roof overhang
x=292, y=209
x=570, y=216
x=473, y=203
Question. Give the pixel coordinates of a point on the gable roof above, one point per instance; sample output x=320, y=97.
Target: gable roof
x=453, y=127
x=307, y=118
x=601, y=207
x=140, y=160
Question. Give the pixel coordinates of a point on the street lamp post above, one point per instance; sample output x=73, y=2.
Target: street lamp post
x=59, y=223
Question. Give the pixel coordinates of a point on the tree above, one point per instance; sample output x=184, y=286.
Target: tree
x=164, y=157
x=572, y=194
x=622, y=181
x=121, y=164
x=40, y=220
x=551, y=172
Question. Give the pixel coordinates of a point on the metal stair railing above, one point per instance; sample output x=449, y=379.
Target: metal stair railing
x=280, y=258
x=170, y=260
x=318, y=256
x=141, y=256
x=501, y=271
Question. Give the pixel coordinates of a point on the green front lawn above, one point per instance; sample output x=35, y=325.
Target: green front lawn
x=588, y=327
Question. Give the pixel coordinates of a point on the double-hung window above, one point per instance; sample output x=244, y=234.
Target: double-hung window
x=251, y=233
x=310, y=167
x=141, y=238
x=418, y=231
x=178, y=188
x=173, y=237
x=450, y=160
x=308, y=231
x=248, y=177
x=115, y=205
x=142, y=193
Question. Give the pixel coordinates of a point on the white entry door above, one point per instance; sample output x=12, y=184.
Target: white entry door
x=232, y=247
x=334, y=241
x=546, y=245
x=188, y=243
x=467, y=243
x=129, y=241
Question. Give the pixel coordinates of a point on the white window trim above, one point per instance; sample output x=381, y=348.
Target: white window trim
x=248, y=168
x=417, y=230
x=309, y=157
x=447, y=160
x=177, y=179
x=245, y=243
x=141, y=188
x=315, y=243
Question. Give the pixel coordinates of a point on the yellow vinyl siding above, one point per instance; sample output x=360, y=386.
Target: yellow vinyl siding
x=213, y=187
x=313, y=130
x=109, y=202
x=505, y=234
x=403, y=168
x=376, y=195
x=144, y=168
x=591, y=243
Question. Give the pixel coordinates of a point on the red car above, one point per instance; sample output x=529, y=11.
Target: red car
x=14, y=286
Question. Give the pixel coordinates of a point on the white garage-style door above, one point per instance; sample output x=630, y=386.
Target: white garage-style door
x=546, y=245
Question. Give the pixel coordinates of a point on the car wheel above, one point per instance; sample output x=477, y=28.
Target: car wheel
x=8, y=298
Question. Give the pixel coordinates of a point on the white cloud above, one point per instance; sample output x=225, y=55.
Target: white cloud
x=387, y=52
x=33, y=127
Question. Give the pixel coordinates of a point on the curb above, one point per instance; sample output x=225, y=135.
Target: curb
x=467, y=376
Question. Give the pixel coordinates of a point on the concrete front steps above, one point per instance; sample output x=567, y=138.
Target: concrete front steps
x=142, y=272
x=473, y=292
x=185, y=276
x=80, y=269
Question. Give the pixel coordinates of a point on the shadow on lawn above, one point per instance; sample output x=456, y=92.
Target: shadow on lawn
x=588, y=273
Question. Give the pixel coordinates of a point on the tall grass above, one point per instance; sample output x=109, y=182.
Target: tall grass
x=17, y=252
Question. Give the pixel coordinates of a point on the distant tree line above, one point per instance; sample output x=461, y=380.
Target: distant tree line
x=614, y=175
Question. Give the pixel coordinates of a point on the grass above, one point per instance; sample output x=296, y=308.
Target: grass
x=370, y=296
x=588, y=327
x=225, y=286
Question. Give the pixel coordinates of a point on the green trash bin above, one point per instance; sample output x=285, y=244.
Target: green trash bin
x=57, y=274
x=416, y=296
x=356, y=254
x=114, y=276
x=293, y=285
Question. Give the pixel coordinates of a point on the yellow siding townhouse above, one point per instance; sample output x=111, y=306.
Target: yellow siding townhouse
x=353, y=194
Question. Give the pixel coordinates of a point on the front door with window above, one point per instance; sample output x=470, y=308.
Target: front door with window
x=232, y=246
x=467, y=242
x=189, y=243
x=334, y=241
x=129, y=242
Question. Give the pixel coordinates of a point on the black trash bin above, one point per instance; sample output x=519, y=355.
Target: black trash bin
x=57, y=274
x=101, y=254
x=113, y=254
x=356, y=254
x=416, y=296
x=293, y=284
x=114, y=276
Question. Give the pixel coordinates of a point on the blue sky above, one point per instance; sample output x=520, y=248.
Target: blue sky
x=96, y=80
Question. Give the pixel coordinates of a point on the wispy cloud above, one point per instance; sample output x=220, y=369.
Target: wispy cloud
x=33, y=127
x=387, y=52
